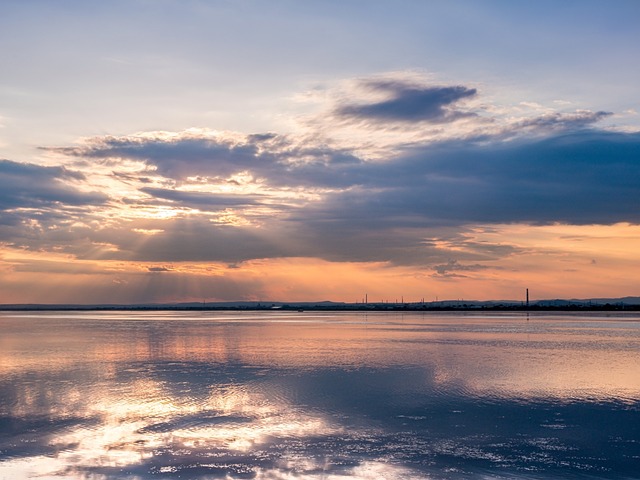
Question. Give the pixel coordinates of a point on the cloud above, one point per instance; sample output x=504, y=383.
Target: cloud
x=44, y=208
x=195, y=239
x=231, y=197
x=217, y=156
x=179, y=157
x=202, y=199
x=24, y=185
x=578, y=178
x=559, y=121
x=381, y=211
x=448, y=269
x=409, y=102
x=379, y=117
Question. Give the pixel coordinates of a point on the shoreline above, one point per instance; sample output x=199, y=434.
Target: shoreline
x=469, y=307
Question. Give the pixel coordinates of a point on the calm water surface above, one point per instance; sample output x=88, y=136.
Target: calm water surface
x=212, y=395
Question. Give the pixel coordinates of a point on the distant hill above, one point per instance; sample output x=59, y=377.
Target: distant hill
x=593, y=303
x=590, y=301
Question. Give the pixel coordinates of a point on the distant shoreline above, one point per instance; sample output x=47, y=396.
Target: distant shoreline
x=338, y=307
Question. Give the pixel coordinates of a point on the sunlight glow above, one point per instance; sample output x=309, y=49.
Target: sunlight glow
x=148, y=231
x=496, y=262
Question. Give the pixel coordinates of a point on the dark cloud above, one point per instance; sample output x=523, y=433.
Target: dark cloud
x=131, y=179
x=177, y=158
x=203, y=199
x=578, y=178
x=159, y=269
x=410, y=103
x=43, y=210
x=452, y=266
x=561, y=121
x=263, y=155
x=24, y=185
x=195, y=239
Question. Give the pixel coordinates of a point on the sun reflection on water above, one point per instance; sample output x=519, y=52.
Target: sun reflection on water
x=131, y=428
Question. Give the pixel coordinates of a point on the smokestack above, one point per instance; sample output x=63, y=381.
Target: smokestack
x=527, y=298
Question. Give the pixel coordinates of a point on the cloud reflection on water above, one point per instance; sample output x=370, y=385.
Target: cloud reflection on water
x=316, y=397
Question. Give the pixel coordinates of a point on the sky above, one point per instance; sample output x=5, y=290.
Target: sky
x=192, y=150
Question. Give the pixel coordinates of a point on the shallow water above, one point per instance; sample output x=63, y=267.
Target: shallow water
x=283, y=395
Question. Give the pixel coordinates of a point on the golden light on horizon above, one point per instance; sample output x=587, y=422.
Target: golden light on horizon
x=496, y=262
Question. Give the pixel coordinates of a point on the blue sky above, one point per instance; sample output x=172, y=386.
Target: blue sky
x=85, y=68
x=188, y=147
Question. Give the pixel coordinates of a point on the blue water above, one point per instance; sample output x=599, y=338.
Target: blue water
x=283, y=395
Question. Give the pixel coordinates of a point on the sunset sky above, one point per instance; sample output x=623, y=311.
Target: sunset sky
x=184, y=150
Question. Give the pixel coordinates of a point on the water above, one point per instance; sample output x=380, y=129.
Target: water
x=283, y=395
